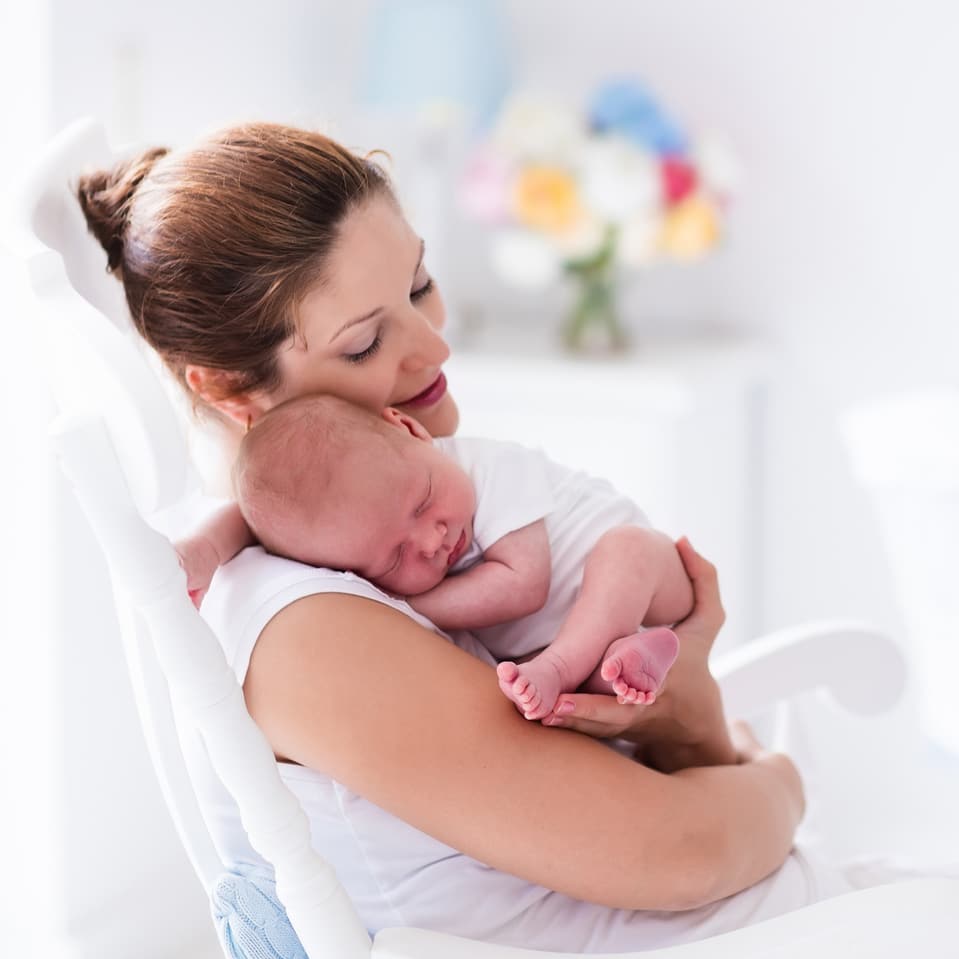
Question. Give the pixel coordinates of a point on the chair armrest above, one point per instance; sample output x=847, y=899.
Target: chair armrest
x=863, y=668
x=918, y=917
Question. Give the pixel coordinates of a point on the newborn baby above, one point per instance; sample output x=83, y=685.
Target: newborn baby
x=554, y=570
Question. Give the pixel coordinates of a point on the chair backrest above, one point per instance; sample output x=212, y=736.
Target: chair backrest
x=84, y=309
x=122, y=446
x=904, y=450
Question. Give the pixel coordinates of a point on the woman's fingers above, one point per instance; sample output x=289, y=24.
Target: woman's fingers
x=698, y=568
x=596, y=715
x=708, y=612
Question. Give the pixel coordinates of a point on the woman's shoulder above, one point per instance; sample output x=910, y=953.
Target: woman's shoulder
x=254, y=586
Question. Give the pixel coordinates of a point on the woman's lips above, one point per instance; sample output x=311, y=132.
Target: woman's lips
x=432, y=394
x=457, y=549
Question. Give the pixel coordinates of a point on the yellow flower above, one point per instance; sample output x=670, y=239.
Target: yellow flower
x=689, y=229
x=545, y=198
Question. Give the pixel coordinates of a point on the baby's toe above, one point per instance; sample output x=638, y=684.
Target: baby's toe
x=611, y=669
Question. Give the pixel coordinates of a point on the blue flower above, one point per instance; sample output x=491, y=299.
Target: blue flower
x=624, y=107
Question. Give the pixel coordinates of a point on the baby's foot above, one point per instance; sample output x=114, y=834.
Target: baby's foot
x=534, y=686
x=636, y=665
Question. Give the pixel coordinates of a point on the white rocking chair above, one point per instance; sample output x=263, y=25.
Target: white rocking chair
x=121, y=445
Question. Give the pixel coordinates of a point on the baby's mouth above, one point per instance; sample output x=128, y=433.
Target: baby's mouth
x=457, y=550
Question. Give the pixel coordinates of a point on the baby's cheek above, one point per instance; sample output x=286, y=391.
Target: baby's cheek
x=423, y=582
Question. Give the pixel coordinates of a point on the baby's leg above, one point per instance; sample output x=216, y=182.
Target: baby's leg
x=632, y=576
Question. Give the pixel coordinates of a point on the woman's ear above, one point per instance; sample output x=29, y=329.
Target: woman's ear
x=400, y=420
x=216, y=388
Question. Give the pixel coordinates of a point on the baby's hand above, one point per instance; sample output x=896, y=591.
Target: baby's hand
x=199, y=561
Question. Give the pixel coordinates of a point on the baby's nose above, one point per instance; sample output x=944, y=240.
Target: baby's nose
x=433, y=539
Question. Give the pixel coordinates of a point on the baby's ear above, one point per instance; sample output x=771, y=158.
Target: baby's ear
x=401, y=421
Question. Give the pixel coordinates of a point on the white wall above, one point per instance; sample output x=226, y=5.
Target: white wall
x=841, y=246
x=843, y=238
x=164, y=73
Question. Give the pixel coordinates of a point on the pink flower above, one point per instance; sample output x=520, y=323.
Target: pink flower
x=486, y=188
x=679, y=179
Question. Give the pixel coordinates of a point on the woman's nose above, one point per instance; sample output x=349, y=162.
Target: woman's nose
x=424, y=345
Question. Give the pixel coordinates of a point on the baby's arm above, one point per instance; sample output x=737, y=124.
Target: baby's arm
x=512, y=580
x=216, y=542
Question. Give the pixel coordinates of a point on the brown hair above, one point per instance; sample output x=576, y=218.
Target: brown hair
x=287, y=462
x=216, y=245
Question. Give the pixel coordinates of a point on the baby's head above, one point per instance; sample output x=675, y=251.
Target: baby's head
x=326, y=482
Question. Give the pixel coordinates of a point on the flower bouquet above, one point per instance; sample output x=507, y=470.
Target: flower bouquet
x=588, y=196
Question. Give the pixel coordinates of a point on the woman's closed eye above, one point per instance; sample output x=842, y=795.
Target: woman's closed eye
x=422, y=291
x=417, y=294
x=360, y=355
x=369, y=351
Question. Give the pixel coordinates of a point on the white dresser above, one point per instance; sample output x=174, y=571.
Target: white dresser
x=675, y=424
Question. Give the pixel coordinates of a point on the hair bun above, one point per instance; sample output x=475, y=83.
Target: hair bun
x=106, y=196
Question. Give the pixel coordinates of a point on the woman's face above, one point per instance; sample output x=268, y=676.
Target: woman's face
x=371, y=332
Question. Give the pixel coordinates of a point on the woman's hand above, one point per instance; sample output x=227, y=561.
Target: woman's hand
x=686, y=725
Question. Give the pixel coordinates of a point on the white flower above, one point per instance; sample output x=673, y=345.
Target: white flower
x=619, y=180
x=719, y=170
x=524, y=259
x=638, y=243
x=532, y=129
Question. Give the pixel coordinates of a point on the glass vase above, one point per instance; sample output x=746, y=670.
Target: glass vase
x=592, y=324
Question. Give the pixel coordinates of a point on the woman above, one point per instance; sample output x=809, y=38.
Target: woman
x=269, y=262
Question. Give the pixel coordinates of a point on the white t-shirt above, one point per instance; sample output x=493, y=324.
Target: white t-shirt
x=516, y=486
x=397, y=875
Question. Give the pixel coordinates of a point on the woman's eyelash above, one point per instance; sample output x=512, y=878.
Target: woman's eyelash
x=424, y=290
x=367, y=353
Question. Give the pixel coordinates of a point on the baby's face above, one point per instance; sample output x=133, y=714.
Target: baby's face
x=403, y=521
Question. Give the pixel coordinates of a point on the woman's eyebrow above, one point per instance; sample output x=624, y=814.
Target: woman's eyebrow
x=379, y=309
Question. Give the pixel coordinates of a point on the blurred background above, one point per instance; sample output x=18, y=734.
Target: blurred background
x=786, y=396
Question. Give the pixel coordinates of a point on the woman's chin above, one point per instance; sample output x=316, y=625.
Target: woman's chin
x=441, y=419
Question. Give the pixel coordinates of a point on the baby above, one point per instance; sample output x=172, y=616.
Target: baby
x=554, y=570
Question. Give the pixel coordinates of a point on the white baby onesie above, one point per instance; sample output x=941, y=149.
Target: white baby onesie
x=516, y=486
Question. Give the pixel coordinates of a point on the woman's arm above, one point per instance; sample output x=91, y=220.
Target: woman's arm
x=511, y=580
x=419, y=727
